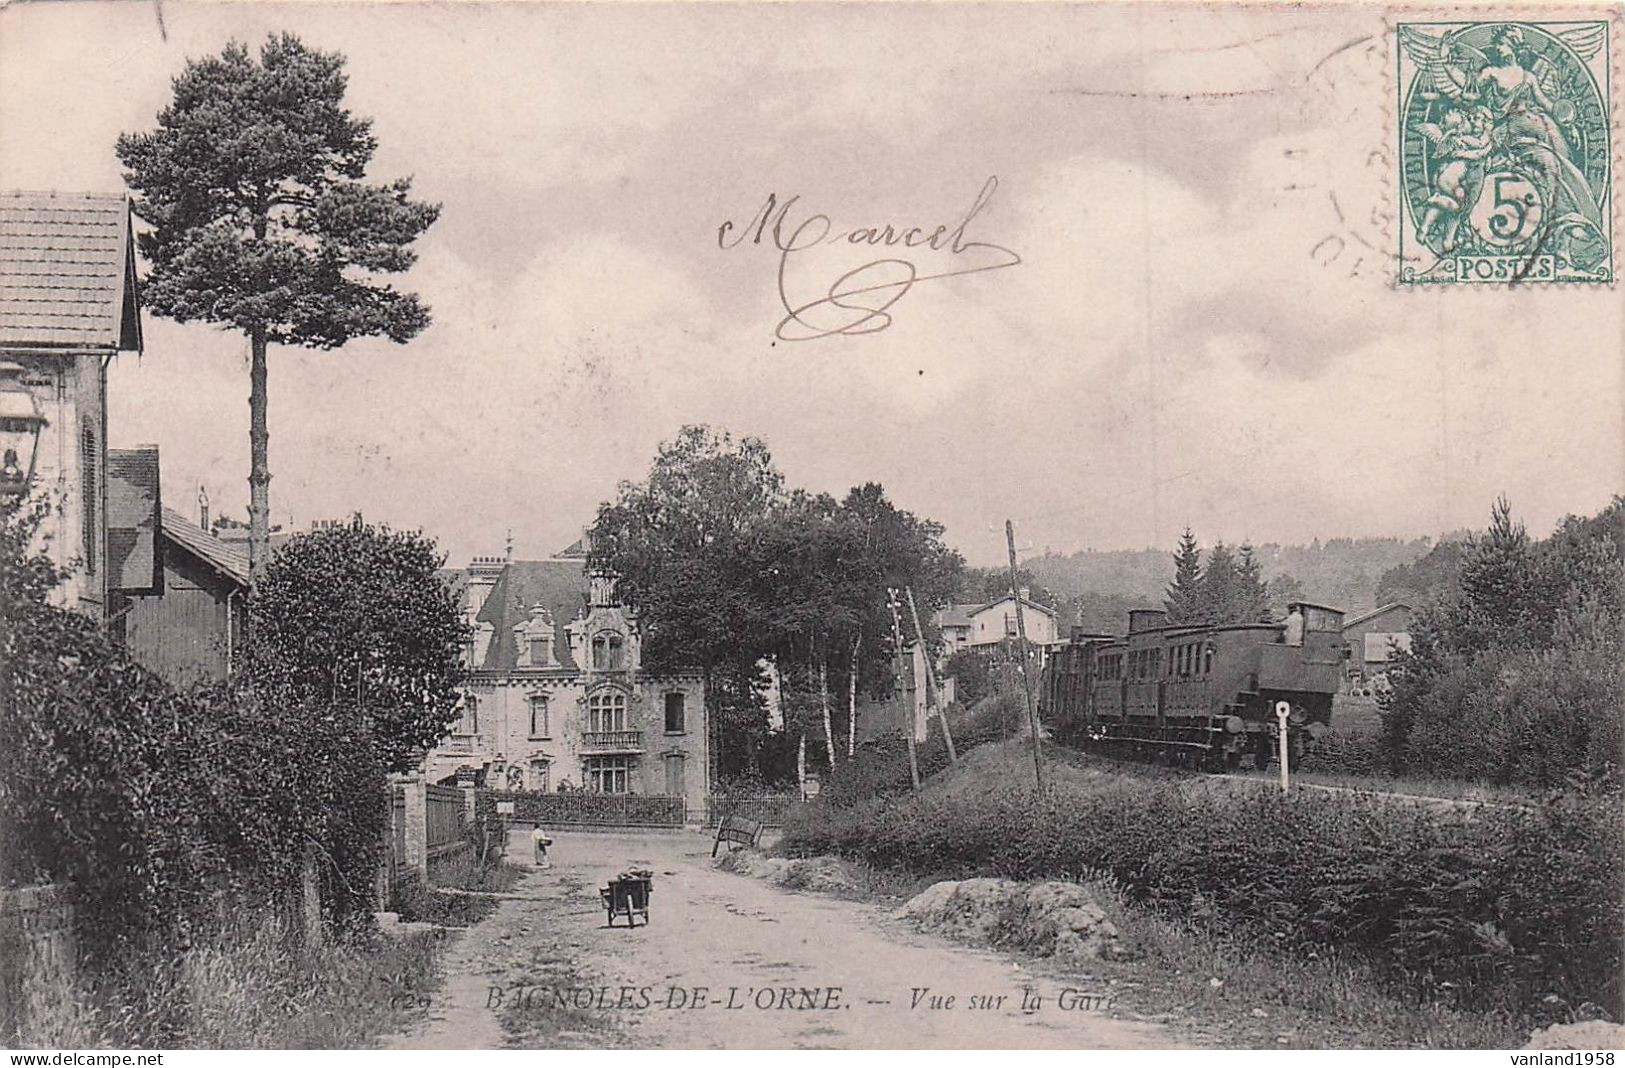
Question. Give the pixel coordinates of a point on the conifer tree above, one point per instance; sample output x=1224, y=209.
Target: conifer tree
x=1219, y=586
x=1183, y=601
x=1250, y=602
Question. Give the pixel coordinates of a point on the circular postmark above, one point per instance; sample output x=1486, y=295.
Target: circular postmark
x=1505, y=161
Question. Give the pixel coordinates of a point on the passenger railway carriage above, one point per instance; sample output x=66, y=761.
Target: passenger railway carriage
x=1201, y=696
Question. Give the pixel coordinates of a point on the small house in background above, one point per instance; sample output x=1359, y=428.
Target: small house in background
x=954, y=623
x=69, y=303
x=179, y=594
x=984, y=627
x=1370, y=641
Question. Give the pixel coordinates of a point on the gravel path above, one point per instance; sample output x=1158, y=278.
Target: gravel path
x=778, y=970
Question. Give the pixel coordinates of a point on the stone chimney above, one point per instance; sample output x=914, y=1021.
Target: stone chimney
x=203, y=509
x=1026, y=593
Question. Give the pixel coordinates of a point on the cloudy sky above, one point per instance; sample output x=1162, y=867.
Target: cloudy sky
x=1201, y=329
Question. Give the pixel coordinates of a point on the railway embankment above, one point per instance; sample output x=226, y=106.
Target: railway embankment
x=1509, y=915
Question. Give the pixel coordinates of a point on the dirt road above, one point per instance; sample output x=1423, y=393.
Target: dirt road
x=730, y=962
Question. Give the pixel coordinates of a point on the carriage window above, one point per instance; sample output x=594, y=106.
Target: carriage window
x=1320, y=620
x=1207, y=660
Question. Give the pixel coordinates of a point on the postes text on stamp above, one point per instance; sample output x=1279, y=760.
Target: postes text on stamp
x=1504, y=152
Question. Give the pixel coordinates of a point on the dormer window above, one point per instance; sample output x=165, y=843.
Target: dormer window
x=535, y=638
x=608, y=651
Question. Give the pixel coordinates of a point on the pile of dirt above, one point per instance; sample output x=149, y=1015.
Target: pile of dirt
x=1053, y=919
x=1588, y=1034
x=823, y=875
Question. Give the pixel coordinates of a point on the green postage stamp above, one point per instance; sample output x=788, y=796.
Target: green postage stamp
x=1504, y=152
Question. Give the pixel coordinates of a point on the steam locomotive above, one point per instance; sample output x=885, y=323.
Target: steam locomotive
x=1197, y=695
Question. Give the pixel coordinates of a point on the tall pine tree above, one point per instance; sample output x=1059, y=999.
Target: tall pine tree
x=252, y=183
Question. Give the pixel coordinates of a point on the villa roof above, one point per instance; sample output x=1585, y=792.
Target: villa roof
x=558, y=585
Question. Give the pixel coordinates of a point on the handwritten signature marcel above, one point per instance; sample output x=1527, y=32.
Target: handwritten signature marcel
x=860, y=300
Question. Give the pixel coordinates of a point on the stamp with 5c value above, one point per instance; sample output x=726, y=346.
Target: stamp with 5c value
x=1504, y=152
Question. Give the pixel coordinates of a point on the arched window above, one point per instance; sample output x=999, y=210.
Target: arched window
x=470, y=723
x=606, y=711
x=538, y=716
x=608, y=651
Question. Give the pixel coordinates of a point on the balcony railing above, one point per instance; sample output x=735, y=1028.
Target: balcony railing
x=612, y=741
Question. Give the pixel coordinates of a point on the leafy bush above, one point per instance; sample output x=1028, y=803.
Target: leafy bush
x=166, y=810
x=972, y=673
x=1488, y=908
x=1518, y=676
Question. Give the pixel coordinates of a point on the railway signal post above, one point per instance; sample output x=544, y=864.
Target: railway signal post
x=1282, y=711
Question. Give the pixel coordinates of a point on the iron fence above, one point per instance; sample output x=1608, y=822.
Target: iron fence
x=594, y=810
x=769, y=810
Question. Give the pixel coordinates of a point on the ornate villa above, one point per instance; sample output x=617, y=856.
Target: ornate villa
x=558, y=699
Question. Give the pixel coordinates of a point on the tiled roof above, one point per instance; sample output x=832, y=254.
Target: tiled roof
x=225, y=559
x=560, y=585
x=132, y=517
x=1374, y=613
x=1026, y=603
x=67, y=271
x=956, y=615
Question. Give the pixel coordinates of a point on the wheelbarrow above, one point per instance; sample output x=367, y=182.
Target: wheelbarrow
x=628, y=895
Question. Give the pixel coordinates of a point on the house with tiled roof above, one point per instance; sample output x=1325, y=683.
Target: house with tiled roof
x=558, y=698
x=177, y=592
x=69, y=304
x=987, y=626
x=1370, y=642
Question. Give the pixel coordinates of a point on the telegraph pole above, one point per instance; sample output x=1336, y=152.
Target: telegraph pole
x=908, y=718
x=1021, y=636
x=931, y=677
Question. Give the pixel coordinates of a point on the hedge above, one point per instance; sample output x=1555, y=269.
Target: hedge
x=1492, y=909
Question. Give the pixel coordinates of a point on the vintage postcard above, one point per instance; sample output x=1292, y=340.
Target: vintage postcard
x=542, y=525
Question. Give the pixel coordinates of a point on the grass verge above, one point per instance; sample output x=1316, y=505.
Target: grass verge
x=248, y=986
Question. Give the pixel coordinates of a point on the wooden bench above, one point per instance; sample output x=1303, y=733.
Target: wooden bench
x=737, y=830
